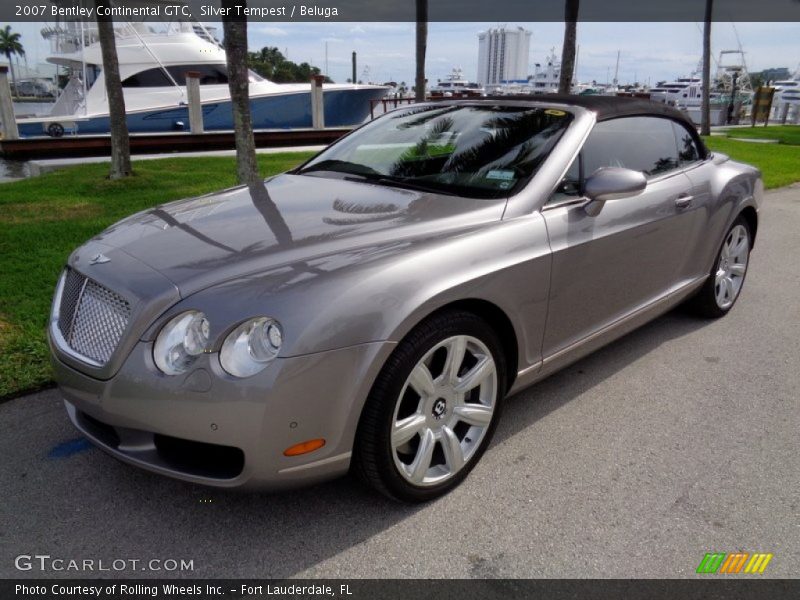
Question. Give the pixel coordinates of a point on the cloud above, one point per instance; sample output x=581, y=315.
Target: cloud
x=271, y=30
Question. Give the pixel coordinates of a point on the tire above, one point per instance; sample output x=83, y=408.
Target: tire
x=716, y=298
x=435, y=449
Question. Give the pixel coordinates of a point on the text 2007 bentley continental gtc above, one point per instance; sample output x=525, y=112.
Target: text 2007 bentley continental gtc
x=370, y=310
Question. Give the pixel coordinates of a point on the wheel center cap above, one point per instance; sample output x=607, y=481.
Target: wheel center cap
x=439, y=408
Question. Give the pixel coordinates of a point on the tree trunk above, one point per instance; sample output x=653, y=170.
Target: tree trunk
x=422, y=47
x=705, y=110
x=235, y=31
x=13, y=76
x=120, y=141
x=570, y=43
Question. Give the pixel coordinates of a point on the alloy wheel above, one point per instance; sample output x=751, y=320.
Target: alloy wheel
x=732, y=266
x=444, y=410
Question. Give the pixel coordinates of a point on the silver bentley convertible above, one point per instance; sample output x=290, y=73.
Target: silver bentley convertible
x=370, y=310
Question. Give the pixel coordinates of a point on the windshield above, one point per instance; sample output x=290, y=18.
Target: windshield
x=479, y=151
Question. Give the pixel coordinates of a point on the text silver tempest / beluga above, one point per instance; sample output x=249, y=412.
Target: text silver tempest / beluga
x=370, y=310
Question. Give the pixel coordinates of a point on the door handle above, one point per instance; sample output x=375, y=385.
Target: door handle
x=684, y=201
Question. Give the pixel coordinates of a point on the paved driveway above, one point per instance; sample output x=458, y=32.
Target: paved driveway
x=679, y=439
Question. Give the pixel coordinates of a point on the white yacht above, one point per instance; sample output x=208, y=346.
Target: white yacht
x=788, y=90
x=153, y=61
x=456, y=85
x=546, y=78
x=684, y=90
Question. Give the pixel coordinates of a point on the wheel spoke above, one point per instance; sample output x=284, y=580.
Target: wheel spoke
x=728, y=288
x=740, y=248
x=453, y=454
x=474, y=414
x=405, y=430
x=483, y=369
x=422, y=461
x=422, y=381
x=455, y=358
x=738, y=269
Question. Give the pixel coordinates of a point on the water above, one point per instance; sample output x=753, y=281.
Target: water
x=14, y=169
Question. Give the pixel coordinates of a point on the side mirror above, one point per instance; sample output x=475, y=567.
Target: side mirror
x=611, y=183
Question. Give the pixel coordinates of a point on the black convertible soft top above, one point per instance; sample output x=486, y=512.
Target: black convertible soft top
x=606, y=107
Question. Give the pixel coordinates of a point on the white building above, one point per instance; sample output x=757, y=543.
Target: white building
x=503, y=55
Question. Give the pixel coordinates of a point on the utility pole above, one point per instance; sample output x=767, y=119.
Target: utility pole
x=354, y=68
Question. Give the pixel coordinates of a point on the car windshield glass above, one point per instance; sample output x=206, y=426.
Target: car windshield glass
x=482, y=151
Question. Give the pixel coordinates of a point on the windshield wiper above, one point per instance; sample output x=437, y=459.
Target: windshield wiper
x=402, y=183
x=338, y=166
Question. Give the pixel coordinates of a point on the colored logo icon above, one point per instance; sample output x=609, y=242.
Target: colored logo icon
x=735, y=562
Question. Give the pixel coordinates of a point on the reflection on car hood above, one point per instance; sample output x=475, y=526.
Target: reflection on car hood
x=202, y=241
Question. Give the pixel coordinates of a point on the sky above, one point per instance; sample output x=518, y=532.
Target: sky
x=649, y=52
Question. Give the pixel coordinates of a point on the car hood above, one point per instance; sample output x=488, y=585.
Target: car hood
x=202, y=241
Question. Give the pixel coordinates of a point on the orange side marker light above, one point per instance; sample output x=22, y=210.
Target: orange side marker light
x=304, y=447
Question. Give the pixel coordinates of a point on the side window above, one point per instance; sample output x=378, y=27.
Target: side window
x=209, y=74
x=149, y=78
x=645, y=144
x=688, y=152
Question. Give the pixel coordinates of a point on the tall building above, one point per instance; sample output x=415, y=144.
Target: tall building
x=503, y=55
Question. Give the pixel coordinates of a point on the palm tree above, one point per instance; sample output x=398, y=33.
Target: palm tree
x=235, y=30
x=422, y=47
x=118, y=124
x=705, y=109
x=568, y=50
x=11, y=46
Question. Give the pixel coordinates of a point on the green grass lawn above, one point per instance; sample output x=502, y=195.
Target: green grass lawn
x=779, y=163
x=785, y=134
x=44, y=218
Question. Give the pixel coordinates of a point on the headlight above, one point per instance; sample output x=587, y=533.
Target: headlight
x=251, y=347
x=180, y=342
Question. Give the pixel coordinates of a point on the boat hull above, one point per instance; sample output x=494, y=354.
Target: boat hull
x=291, y=110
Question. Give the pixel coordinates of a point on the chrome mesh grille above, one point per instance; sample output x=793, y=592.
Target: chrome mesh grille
x=91, y=317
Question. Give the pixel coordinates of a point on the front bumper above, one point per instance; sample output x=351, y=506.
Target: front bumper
x=210, y=428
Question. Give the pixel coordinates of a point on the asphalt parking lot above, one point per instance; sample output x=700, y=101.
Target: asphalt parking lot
x=681, y=438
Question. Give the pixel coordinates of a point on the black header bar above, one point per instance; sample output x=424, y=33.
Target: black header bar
x=507, y=11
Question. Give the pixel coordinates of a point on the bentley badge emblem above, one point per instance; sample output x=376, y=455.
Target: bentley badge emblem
x=100, y=259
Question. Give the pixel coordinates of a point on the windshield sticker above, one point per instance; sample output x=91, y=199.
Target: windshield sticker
x=554, y=113
x=500, y=174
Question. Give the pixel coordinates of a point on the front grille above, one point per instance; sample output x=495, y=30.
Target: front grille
x=91, y=317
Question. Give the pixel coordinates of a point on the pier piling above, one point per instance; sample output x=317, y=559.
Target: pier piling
x=8, y=123
x=317, y=102
x=193, y=96
x=784, y=113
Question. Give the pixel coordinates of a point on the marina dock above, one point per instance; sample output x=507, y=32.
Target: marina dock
x=100, y=145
